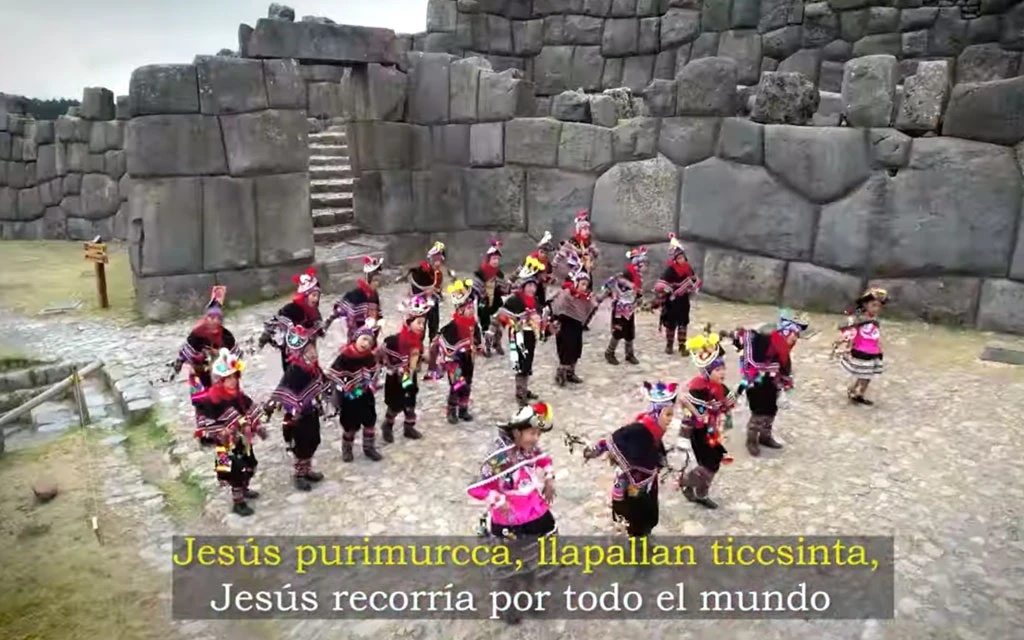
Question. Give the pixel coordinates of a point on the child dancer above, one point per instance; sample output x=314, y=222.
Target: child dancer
x=521, y=317
x=456, y=343
x=571, y=307
x=362, y=303
x=673, y=291
x=231, y=418
x=426, y=280
x=517, y=481
x=355, y=373
x=580, y=244
x=201, y=348
x=861, y=339
x=625, y=289
x=707, y=401
x=300, y=395
x=302, y=311
x=402, y=361
x=489, y=288
x=639, y=453
x=767, y=369
x=542, y=254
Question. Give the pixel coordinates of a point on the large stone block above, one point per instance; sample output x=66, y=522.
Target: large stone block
x=686, y=141
x=987, y=111
x=317, y=41
x=635, y=202
x=778, y=13
x=732, y=275
x=587, y=68
x=742, y=141
x=707, y=87
x=99, y=197
x=812, y=287
x=527, y=37
x=552, y=199
x=844, y=226
x=429, y=74
x=504, y=96
x=889, y=148
x=571, y=106
x=552, y=70
x=604, y=113
x=821, y=24
x=270, y=141
x=637, y=72
x=439, y=199
x=822, y=163
x=869, y=90
x=229, y=223
x=487, y=144
x=465, y=80
x=782, y=42
x=328, y=100
x=163, y=89
x=947, y=300
x=30, y=203
x=441, y=15
x=785, y=98
x=46, y=163
x=450, y=144
x=954, y=209
x=230, y=85
x=171, y=145
x=679, y=26
x=621, y=37
x=97, y=104
x=171, y=215
x=388, y=145
x=496, y=198
x=986, y=62
x=284, y=226
x=532, y=141
x=745, y=207
x=383, y=202
x=584, y=147
x=285, y=88
x=163, y=298
x=635, y=139
x=924, y=97
x=1002, y=306
x=743, y=46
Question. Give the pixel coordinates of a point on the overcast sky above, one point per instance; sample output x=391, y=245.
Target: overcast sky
x=53, y=48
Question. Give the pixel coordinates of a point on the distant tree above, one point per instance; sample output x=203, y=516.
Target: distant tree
x=49, y=109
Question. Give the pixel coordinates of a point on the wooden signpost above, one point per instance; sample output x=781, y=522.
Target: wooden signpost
x=96, y=252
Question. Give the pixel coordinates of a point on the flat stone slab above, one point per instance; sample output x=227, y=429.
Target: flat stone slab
x=1006, y=354
x=314, y=41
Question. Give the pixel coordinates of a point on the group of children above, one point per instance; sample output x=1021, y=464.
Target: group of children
x=516, y=480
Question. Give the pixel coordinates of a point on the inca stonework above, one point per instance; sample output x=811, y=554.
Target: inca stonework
x=799, y=148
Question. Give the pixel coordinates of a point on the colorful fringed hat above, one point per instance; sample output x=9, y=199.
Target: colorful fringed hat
x=579, y=276
x=660, y=395
x=537, y=415
x=675, y=248
x=297, y=337
x=371, y=328
x=372, y=264
x=306, y=282
x=460, y=292
x=706, y=351
x=790, y=322
x=532, y=267
x=637, y=257
x=416, y=307
x=872, y=293
x=226, y=364
x=215, y=307
x=438, y=250
x=582, y=220
x=546, y=243
x=494, y=249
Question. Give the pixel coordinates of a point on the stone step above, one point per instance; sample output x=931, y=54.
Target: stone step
x=337, y=233
x=327, y=137
x=322, y=161
x=331, y=217
x=333, y=185
x=333, y=171
x=334, y=150
x=333, y=200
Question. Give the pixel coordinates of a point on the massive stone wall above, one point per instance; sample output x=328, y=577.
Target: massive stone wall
x=64, y=179
x=217, y=158
x=603, y=44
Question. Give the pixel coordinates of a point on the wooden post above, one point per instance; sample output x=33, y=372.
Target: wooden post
x=52, y=392
x=96, y=252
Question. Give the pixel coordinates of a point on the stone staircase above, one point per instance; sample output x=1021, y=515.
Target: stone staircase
x=330, y=187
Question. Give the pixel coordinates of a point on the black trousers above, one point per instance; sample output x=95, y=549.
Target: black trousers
x=624, y=328
x=676, y=313
x=236, y=466
x=433, y=319
x=304, y=433
x=569, y=341
x=640, y=512
x=525, y=365
x=358, y=412
x=763, y=398
x=396, y=397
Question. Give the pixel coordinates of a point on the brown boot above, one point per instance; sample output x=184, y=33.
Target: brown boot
x=369, y=445
x=670, y=341
x=753, y=436
x=387, y=430
x=609, y=353
x=630, y=355
x=521, y=391
x=766, y=439
x=346, y=451
x=560, y=376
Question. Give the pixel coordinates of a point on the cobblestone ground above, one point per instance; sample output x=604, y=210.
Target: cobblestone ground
x=936, y=463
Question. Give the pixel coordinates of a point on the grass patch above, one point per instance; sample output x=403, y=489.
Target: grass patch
x=147, y=444
x=43, y=273
x=185, y=496
x=57, y=580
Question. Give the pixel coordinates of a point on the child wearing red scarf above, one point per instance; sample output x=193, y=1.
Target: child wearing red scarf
x=580, y=245
x=232, y=419
x=201, y=348
x=625, y=289
x=303, y=311
x=677, y=283
x=426, y=280
x=767, y=370
x=638, y=452
x=489, y=288
x=401, y=361
x=362, y=303
x=571, y=307
x=708, y=402
x=455, y=345
x=300, y=394
x=354, y=374
x=520, y=315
